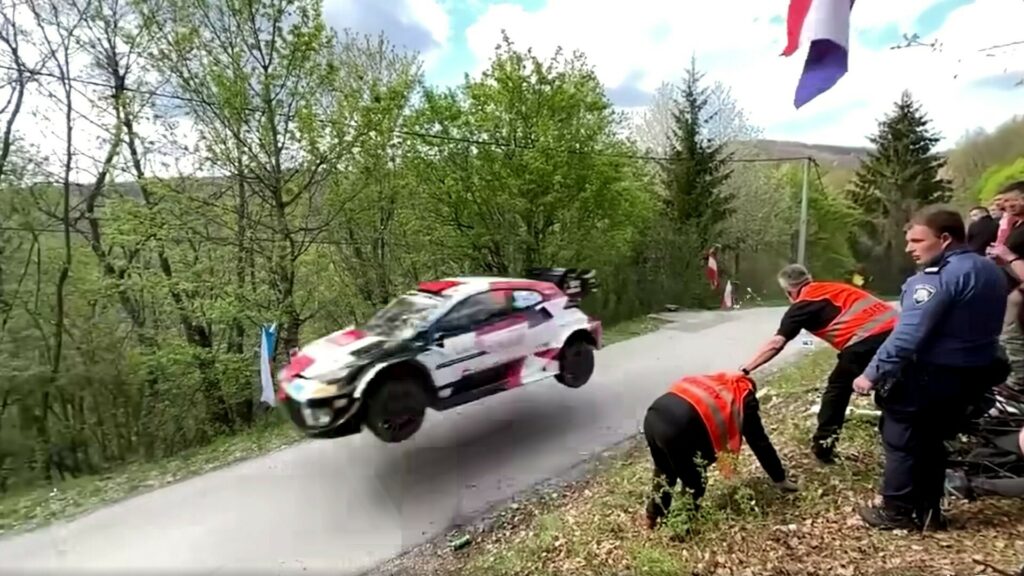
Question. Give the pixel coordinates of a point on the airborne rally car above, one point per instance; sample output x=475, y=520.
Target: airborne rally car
x=448, y=343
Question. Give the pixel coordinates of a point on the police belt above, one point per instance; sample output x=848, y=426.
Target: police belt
x=981, y=378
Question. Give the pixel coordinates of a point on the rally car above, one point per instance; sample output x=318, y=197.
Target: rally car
x=447, y=343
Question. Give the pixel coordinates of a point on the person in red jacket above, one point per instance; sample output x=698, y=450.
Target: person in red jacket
x=851, y=320
x=687, y=428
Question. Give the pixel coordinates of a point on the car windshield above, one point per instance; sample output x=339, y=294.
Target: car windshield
x=404, y=316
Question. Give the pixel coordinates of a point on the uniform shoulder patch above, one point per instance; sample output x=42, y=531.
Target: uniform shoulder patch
x=922, y=293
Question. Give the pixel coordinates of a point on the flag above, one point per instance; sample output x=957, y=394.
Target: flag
x=727, y=295
x=712, y=268
x=827, y=24
x=268, y=339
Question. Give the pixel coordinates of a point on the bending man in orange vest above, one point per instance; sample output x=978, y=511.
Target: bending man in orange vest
x=688, y=426
x=849, y=319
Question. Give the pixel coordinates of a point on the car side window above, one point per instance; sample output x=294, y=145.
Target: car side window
x=475, y=310
x=523, y=299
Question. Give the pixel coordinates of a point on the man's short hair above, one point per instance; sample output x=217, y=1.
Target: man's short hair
x=941, y=220
x=1013, y=188
x=978, y=209
x=794, y=276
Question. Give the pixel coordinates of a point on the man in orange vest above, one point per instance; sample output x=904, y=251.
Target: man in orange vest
x=697, y=419
x=849, y=319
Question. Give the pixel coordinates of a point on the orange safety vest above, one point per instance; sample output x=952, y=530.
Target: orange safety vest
x=860, y=314
x=718, y=399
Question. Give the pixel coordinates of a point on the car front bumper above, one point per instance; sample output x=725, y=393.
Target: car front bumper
x=322, y=410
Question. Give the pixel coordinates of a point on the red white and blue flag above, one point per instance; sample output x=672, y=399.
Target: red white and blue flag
x=826, y=23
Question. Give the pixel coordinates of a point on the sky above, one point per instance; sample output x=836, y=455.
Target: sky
x=636, y=45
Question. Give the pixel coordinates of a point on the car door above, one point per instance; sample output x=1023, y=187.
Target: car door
x=471, y=342
x=540, y=334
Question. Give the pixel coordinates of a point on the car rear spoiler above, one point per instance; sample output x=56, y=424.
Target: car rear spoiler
x=576, y=283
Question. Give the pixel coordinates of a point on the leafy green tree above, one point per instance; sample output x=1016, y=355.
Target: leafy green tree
x=978, y=151
x=901, y=175
x=551, y=188
x=697, y=167
x=997, y=177
x=831, y=222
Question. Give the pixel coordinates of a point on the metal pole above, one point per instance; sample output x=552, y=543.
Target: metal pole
x=801, y=250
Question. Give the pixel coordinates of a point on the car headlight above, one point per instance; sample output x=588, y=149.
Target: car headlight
x=336, y=376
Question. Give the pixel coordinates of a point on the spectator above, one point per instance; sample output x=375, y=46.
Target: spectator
x=983, y=230
x=1008, y=220
x=1012, y=337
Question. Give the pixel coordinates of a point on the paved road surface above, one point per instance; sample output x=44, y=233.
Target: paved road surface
x=347, y=505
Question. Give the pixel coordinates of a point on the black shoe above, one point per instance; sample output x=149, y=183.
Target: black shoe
x=655, y=512
x=886, y=518
x=824, y=454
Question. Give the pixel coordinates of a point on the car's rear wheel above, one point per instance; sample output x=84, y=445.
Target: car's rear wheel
x=396, y=408
x=575, y=363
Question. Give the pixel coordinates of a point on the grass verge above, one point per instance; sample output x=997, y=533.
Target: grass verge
x=32, y=507
x=596, y=527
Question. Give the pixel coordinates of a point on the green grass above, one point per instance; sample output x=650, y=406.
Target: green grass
x=32, y=507
x=745, y=526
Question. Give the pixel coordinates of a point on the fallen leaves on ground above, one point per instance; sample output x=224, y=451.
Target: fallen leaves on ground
x=746, y=527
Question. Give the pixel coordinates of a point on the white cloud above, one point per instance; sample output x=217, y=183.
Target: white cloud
x=735, y=43
x=397, y=18
x=435, y=18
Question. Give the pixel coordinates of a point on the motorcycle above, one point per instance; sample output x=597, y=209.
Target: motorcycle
x=987, y=457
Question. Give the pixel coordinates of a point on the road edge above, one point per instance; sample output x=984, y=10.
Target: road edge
x=482, y=521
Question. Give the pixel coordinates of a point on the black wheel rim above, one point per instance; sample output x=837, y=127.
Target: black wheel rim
x=575, y=364
x=398, y=416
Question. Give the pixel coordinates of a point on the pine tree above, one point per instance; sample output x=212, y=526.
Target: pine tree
x=697, y=167
x=898, y=177
x=902, y=173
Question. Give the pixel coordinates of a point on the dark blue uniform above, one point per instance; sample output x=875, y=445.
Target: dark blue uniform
x=929, y=368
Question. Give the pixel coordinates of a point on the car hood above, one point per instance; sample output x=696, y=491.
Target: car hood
x=330, y=353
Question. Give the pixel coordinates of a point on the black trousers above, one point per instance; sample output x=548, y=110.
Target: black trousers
x=919, y=414
x=680, y=449
x=915, y=460
x=850, y=363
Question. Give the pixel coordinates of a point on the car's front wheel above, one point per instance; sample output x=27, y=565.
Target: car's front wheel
x=396, y=408
x=575, y=363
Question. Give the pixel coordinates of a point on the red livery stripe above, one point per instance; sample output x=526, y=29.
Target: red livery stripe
x=548, y=290
x=510, y=322
x=437, y=286
x=298, y=363
x=347, y=337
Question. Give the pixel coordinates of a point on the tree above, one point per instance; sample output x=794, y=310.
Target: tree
x=899, y=176
x=997, y=177
x=978, y=152
x=553, y=187
x=697, y=167
x=723, y=119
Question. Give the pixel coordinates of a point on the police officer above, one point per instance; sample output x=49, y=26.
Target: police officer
x=850, y=320
x=942, y=354
x=697, y=419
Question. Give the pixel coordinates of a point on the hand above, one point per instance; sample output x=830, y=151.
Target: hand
x=787, y=485
x=1001, y=252
x=862, y=385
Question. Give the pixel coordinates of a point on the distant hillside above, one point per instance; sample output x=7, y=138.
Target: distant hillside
x=848, y=157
